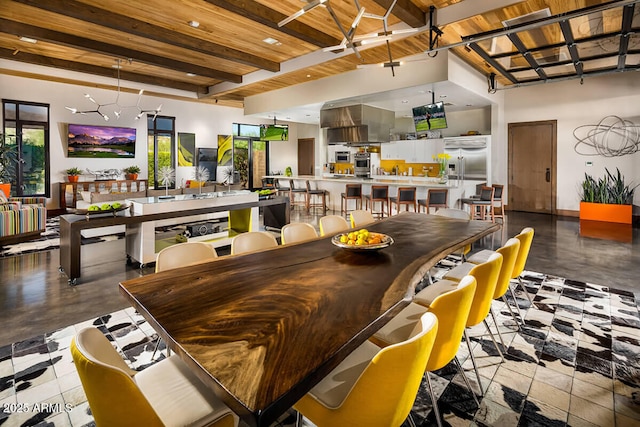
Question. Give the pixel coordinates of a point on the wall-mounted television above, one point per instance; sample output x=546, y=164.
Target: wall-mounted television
x=274, y=132
x=208, y=159
x=101, y=142
x=429, y=117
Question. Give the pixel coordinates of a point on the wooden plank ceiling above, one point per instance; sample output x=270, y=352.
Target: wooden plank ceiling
x=226, y=58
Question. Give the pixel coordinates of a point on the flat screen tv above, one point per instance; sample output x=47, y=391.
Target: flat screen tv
x=208, y=159
x=101, y=142
x=429, y=117
x=274, y=132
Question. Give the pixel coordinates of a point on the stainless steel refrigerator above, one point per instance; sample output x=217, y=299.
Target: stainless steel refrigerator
x=468, y=158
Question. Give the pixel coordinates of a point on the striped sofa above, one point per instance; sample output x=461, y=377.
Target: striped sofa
x=21, y=219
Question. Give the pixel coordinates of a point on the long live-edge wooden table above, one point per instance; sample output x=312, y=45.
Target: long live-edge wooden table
x=261, y=329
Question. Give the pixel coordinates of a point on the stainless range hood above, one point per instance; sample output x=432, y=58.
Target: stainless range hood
x=357, y=124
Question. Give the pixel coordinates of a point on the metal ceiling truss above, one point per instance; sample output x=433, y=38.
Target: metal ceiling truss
x=570, y=43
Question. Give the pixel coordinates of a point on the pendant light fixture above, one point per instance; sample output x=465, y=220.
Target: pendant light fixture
x=117, y=108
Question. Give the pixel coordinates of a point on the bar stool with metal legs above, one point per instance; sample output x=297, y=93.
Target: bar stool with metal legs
x=380, y=194
x=352, y=192
x=319, y=194
x=406, y=197
x=297, y=191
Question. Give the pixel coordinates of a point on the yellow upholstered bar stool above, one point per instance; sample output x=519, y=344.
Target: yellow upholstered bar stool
x=351, y=192
x=333, y=224
x=486, y=275
x=452, y=310
x=297, y=232
x=509, y=252
x=252, y=241
x=379, y=194
x=436, y=198
x=316, y=198
x=295, y=193
x=373, y=386
x=360, y=218
x=182, y=254
x=164, y=394
x=406, y=197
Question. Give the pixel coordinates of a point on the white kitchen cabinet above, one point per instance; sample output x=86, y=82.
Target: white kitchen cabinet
x=389, y=151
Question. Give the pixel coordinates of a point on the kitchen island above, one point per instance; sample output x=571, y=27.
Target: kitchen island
x=335, y=185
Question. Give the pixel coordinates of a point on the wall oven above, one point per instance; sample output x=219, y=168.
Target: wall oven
x=343, y=157
x=362, y=165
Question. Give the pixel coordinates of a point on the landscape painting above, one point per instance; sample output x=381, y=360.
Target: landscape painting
x=101, y=142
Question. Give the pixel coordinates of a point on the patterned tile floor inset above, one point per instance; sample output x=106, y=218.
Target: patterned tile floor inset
x=575, y=362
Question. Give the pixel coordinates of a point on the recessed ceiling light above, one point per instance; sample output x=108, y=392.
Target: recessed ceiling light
x=308, y=76
x=191, y=74
x=270, y=40
x=194, y=24
x=404, y=101
x=28, y=40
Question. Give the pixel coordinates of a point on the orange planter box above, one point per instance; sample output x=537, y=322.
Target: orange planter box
x=622, y=214
x=6, y=188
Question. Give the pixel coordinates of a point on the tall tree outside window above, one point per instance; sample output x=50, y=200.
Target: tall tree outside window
x=26, y=128
x=160, y=146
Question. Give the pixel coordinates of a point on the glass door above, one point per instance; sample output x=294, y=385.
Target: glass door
x=26, y=127
x=250, y=162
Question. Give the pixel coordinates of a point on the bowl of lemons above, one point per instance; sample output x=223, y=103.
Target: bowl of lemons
x=362, y=240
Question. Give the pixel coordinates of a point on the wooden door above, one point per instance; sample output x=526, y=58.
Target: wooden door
x=306, y=156
x=532, y=167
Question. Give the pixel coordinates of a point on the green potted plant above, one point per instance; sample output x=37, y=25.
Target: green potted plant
x=607, y=199
x=73, y=174
x=131, y=172
x=8, y=160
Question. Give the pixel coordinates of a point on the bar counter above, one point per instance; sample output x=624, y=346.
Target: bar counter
x=335, y=184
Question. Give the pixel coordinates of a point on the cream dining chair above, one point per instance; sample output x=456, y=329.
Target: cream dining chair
x=252, y=241
x=183, y=254
x=297, y=232
x=332, y=224
x=360, y=218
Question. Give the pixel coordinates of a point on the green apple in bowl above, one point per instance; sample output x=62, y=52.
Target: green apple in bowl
x=105, y=207
x=93, y=208
x=116, y=205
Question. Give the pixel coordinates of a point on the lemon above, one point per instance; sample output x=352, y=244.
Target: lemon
x=344, y=238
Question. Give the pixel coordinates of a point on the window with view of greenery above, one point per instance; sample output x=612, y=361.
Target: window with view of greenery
x=160, y=146
x=26, y=128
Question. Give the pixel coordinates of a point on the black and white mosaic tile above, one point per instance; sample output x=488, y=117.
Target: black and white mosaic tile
x=575, y=362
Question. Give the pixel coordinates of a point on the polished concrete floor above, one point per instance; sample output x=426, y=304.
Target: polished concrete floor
x=35, y=297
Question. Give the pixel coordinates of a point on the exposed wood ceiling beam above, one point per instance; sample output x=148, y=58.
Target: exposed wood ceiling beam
x=16, y=55
x=112, y=50
x=105, y=18
x=257, y=12
x=406, y=11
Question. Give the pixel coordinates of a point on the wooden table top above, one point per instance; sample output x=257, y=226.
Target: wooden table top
x=263, y=328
